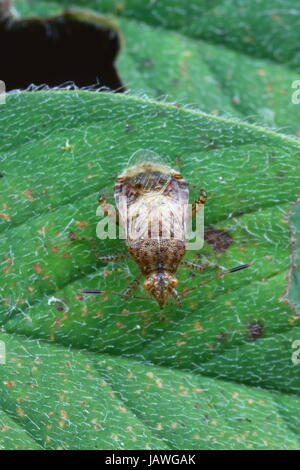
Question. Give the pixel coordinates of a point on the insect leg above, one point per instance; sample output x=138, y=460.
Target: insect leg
x=114, y=257
x=200, y=267
x=229, y=271
x=132, y=286
x=110, y=292
x=200, y=201
x=176, y=296
x=221, y=274
x=93, y=242
x=125, y=294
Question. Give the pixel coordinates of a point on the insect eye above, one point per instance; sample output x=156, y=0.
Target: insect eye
x=177, y=175
x=147, y=285
x=174, y=282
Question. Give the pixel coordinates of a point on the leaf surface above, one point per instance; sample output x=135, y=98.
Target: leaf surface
x=98, y=372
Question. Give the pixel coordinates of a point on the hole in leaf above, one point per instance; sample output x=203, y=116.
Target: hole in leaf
x=57, y=50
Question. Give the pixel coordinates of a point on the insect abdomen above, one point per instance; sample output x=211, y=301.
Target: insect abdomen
x=157, y=255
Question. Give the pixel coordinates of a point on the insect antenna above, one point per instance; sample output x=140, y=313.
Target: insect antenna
x=221, y=274
x=120, y=294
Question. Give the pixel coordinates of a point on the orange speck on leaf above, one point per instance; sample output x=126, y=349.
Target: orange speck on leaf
x=198, y=326
x=81, y=224
x=261, y=72
x=64, y=414
x=29, y=194
x=5, y=217
x=20, y=412
x=37, y=268
x=9, y=383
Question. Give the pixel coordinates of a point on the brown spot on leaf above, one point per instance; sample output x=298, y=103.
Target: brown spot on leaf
x=5, y=217
x=64, y=414
x=5, y=428
x=256, y=330
x=120, y=6
x=72, y=235
x=37, y=268
x=7, y=269
x=29, y=194
x=9, y=383
x=221, y=337
x=261, y=72
x=147, y=62
x=218, y=239
x=20, y=412
x=81, y=223
x=198, y=326
x=60, y=307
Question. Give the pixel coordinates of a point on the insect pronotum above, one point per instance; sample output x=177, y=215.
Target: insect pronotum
x=151, y=200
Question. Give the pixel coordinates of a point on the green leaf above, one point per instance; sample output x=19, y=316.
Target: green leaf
x=267, y=30
x=292, y=294
x=231, y=58
x=87, y=372
x=98, y=373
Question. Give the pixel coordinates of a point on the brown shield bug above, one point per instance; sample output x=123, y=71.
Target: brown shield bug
x=151, y=199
